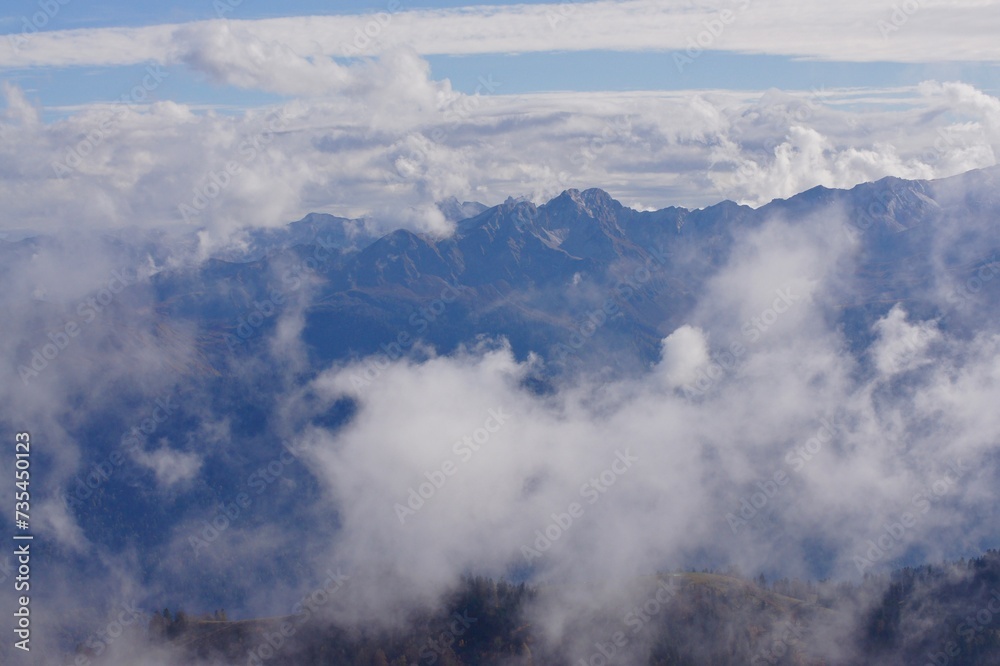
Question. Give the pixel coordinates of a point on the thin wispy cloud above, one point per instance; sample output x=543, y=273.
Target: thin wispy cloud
x=853, y=32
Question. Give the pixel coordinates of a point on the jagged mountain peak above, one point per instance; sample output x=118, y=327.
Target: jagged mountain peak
x=593, y=202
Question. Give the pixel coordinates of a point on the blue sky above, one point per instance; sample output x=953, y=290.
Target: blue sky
x=534, y=72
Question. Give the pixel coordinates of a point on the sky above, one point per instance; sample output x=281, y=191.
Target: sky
x=388, y=107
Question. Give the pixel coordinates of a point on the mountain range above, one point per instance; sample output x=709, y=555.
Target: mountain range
x=534, y=273
x=579, y=286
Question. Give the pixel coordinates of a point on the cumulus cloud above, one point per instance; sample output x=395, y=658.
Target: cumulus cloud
x=902, y=346
x=684, y=353
x=787, y=144
x=165, y=163
x=806, y=158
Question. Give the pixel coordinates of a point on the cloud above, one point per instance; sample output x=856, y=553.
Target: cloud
x=19, y=112
x=232, y=54
x=902, y=346
x=170, y=466
x=162, y=164
x=684, y=352
x=786, y=144
x=807, y=158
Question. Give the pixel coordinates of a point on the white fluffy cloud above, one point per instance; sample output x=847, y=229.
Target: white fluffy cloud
x=366, y=153
x=902, y=346
x=684, y=353
x=786, y=144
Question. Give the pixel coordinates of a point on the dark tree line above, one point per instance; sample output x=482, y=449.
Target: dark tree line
x=915, y=615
